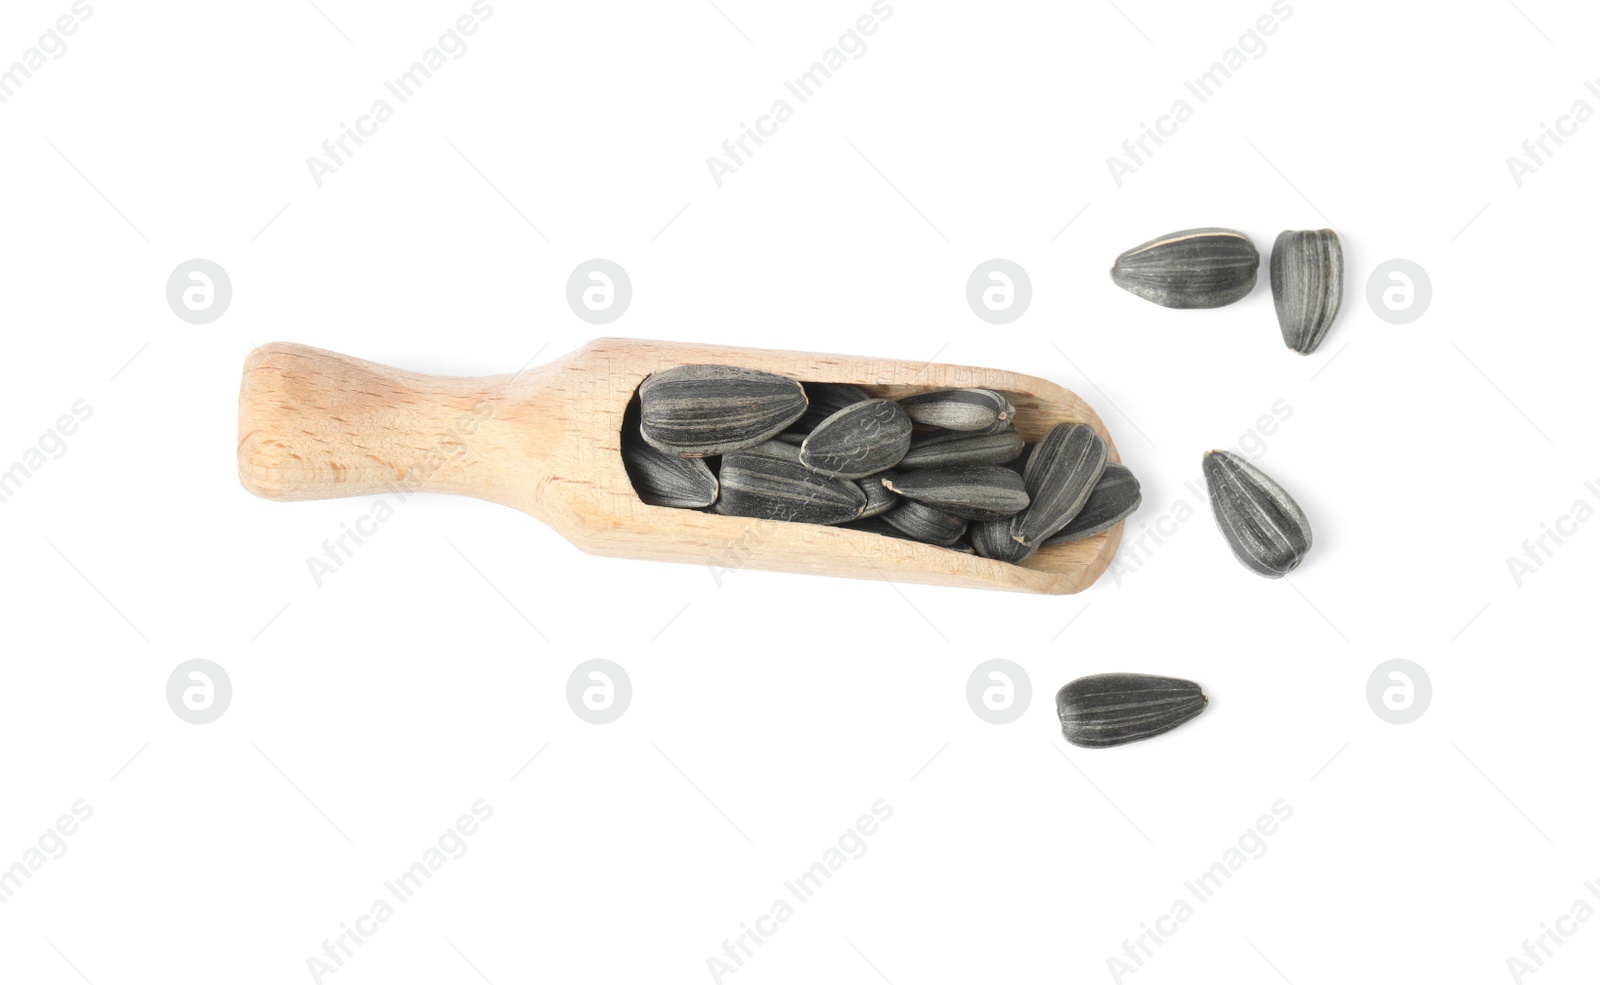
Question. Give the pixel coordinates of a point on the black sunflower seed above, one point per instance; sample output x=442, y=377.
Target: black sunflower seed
x=938, y=449
x=1113, y=500
x=661, y=479
x=879, y=499
x=925, y=523
x=700, y=411
x=770, y=488
x=1265, y=527
x=826, y=399
x=985, y=492
x=1194, y=268
x=1060, y=475
x=1307, y=270
x=992, y=539
x=855, y=442
x=1111, y=709
x=959, y=410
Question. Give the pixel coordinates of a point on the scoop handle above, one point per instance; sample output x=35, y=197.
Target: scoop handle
x=318, y=425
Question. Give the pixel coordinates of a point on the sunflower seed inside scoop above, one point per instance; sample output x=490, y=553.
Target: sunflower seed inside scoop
x=1267, y=530
x=769, y=488
x=879, y=499
x=1111, y=709
x=699, y=411
x=855, y=442
x=661, y=479
x=937, y=449
x=1059, y=476
x=1113, y=500
x=992, y=539
x=959, y=410
x=983, y=492
x=1307, y=283
x=925, y=523
x=1195, y=268
x=826, y=399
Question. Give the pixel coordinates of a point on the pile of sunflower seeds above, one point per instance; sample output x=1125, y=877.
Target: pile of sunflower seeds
x=945, y=467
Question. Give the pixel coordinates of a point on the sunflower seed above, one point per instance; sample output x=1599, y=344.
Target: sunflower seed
x=992, y=539
x=826, y=399
x=944, y=448
x=1195, y=268
x=769, y=488
x=1059, y=476
x=925, y=523
x=661, y=479
x=1113, y=500
x=855, y=442
x=879, y=499
x=1267, y=530
x=987, y=492
x=1307, y=283
x=700, y=411
x=959, y=410
x=1111, y=709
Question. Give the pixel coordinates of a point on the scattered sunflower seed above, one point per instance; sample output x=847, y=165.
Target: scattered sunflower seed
x=879, y=499
x=1059, y=476
x=938, y=449
x=661, y=479
x=1111, y=709
x=859, y=440
x=924, y=523
x=1194, y=268
x=1113, y=500
x=826, y=399
x=770, y=488
x=1307, y=271
x=987, y=492
x=1267, y=530
x=992, y=539
x=959, y=410
x=700, y=411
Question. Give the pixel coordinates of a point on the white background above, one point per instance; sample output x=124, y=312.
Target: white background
x=770, y=712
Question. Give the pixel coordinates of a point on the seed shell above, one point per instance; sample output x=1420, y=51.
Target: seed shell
x=992, y=539
x=988, y=492
x=1307, y=270
x=661, y=479
x=938, y=449
x=859, y=440
x=924, y=523
x=700, y=411
x=959, y=410
x=879, y=499
x=771, y=488
x=1194, y=268
x=1113, y=500
x=1059, y=476
x=1263, y=524
x=1111, y=709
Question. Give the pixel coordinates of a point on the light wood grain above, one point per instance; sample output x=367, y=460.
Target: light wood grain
x=316, y=425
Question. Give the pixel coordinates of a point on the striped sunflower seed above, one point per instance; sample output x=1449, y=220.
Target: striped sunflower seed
x=1195, y=268
x=1059, y=476
x=1113, y=500
x=1307, y=271
x=661, y=479
x=879, y=499
x=770, y=488
x=992, y=539
x=1111, y=709
x=700, y=411
x=959, y=410
x=938, y=449
x=826, y=399
x=983, y=492
x=855, y=442
x=924, y=523
x=1267, y=530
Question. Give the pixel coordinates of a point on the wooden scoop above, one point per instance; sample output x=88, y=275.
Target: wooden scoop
x=546, y=441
